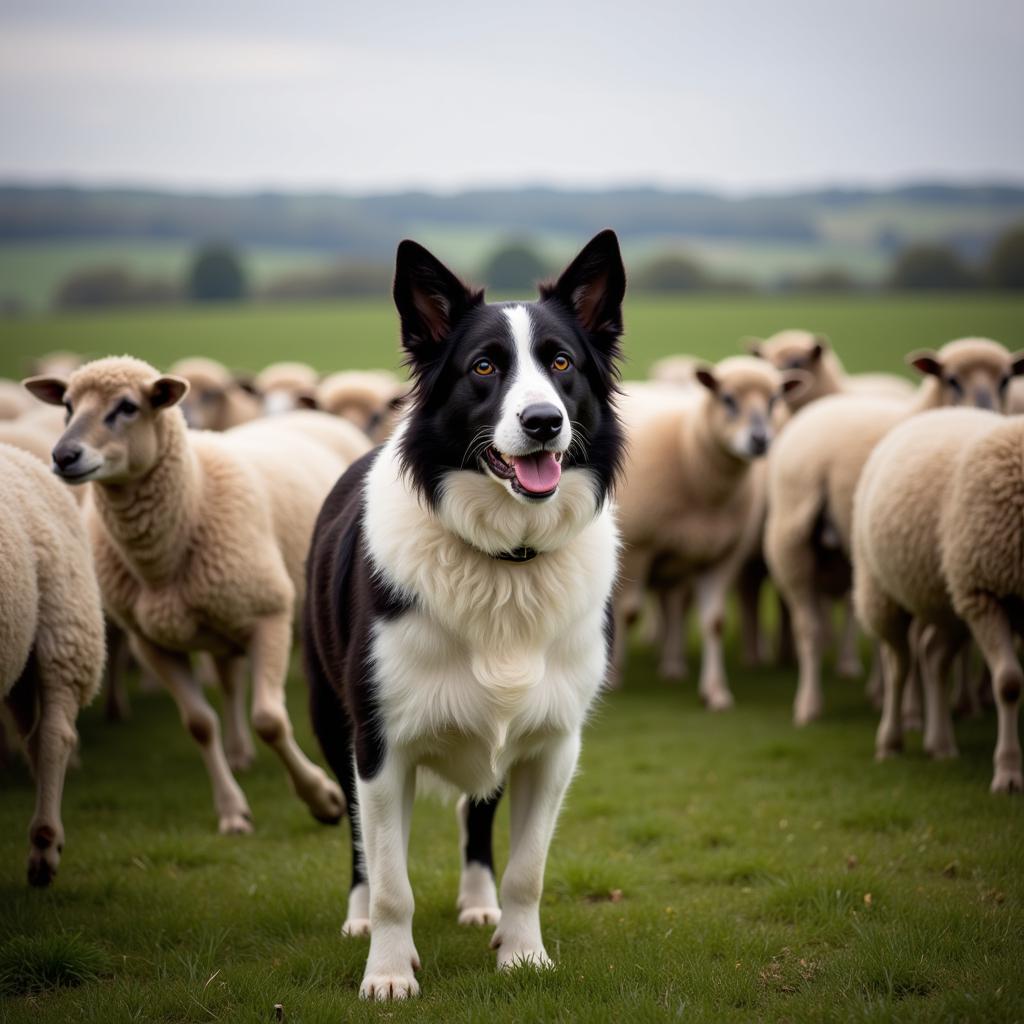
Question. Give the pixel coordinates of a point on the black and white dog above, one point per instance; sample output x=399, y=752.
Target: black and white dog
x=458, y=592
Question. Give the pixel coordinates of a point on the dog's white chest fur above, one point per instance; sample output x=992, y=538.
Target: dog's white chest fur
x=495, y=656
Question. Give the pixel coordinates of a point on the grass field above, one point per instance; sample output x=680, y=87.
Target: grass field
x=706, y=868
x=870, y=332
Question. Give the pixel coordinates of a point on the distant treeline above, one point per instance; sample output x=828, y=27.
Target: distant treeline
x=217, y=273
x=367, y=226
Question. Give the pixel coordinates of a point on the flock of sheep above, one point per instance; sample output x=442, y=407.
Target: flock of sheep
x=902, y=504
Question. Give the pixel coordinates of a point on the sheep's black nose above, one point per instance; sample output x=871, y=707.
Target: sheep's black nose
x=541, y=421
x=65, y=455
x=758, y=443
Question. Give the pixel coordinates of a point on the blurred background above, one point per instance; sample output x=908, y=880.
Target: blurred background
x=161, y=156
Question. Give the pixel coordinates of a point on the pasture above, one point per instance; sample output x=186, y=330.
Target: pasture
x=706, y=867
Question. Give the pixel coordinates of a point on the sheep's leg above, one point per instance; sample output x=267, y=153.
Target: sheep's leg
x=874, y=689
x=936, y=650
x=49, y=748
x=991, y=630
x=175, y=672
x=712, y=588
x=536, y=790
x=116, y=707
x=848, y=665
x=231, y=671
x=269, y=649
x=627, y=600
x=809, y=703
x=752, y=643
x=673, y=605
x=895, y=662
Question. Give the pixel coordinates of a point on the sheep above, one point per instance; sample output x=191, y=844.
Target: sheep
x=51, y=636
x=200, y=541
x=678, y=370
x=216, y=399
x=690, y=502
x=813, y=353
x=813, y=472
x=938, y=536
x=59, y=363
x=371, y=399
x=285, y=387
x=13, y=400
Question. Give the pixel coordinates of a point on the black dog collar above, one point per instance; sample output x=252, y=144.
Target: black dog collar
x=522, y=554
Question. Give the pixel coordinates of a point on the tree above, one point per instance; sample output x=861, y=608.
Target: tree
x=929, y=266
x=1005, y=267
x=112, y=286
x=672, y=272
x=515, y=267
x=216, y=275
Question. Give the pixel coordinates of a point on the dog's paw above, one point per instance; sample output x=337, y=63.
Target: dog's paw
x=480, y=916
x=356, y=927
x=516, y=958
x=387, y=987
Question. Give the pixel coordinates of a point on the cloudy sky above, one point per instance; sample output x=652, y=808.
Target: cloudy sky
x=733, y=94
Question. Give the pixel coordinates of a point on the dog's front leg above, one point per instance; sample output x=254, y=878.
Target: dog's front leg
x=385, y=815
x=536, y=789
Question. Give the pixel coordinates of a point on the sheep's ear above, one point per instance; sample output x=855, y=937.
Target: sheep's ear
x=820, y=347
x=925, y=360
x=165, y=392
x=593, y=286
x=706, y=375
x=1016, y=364
x=794, y=384
x=753, y=345
x=47, y=389
x=246, y=383
x=430, y=299
x=307, y=400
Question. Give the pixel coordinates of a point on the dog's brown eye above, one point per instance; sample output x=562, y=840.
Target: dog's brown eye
x=483, y=367
x=561, y=363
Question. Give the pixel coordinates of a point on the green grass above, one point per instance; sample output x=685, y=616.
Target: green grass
x=758, y=873
x=870, y=332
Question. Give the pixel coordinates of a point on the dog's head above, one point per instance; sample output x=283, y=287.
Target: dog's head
x=518, y=392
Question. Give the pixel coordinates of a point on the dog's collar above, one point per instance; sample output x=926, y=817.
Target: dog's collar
x=523, y=554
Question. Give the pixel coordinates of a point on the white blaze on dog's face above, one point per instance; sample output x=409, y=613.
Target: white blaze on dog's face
x=533, y=431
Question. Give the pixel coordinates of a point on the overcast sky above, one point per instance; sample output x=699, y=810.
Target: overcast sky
x=383, y=95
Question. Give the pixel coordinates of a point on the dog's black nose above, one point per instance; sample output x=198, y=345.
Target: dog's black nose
x=66, y=455
x=542, y=421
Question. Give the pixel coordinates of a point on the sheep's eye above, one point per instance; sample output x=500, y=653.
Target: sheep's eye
x=561, y=363
x=954, y=383
x=483, y=368
x=730, y=404
x=125, y=408
x=1004, y=383
x=69, y=410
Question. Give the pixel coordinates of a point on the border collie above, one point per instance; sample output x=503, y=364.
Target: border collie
x=458, y=593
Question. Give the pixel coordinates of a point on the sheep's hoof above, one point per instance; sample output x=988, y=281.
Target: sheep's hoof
x=849, y=669
x=672, y=670
x=238, y=824
x=40, y=873
x=885, y=751
x=1007, y=780
x=719, y=701
x=240, y=760
x=325, y=800
x=807, y=711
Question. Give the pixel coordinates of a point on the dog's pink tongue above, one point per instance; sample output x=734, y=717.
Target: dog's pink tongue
x=539, y=472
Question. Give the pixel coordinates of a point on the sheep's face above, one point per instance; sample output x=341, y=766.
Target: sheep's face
x=288, y=398
x=205, y=405
x=113, y=431
x=971, y=372
x=745, y=403
x=373, y=417
x=795, y=351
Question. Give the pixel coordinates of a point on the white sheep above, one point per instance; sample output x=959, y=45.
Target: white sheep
x=371, y=399
x=938, y=536
x=51, y=635
x=813, y=353
x=200, y=541
x=216, y=399
x=813, y=472
x=690, y=504
x=285, y=387
x=14, y=403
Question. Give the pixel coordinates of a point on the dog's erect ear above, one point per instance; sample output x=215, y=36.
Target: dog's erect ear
x=593, y=285
x=47, y=389
x=167, y=391
x=926, y=361
x=430, y=299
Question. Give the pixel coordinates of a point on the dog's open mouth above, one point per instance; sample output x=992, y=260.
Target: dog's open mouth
x=536, y=475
